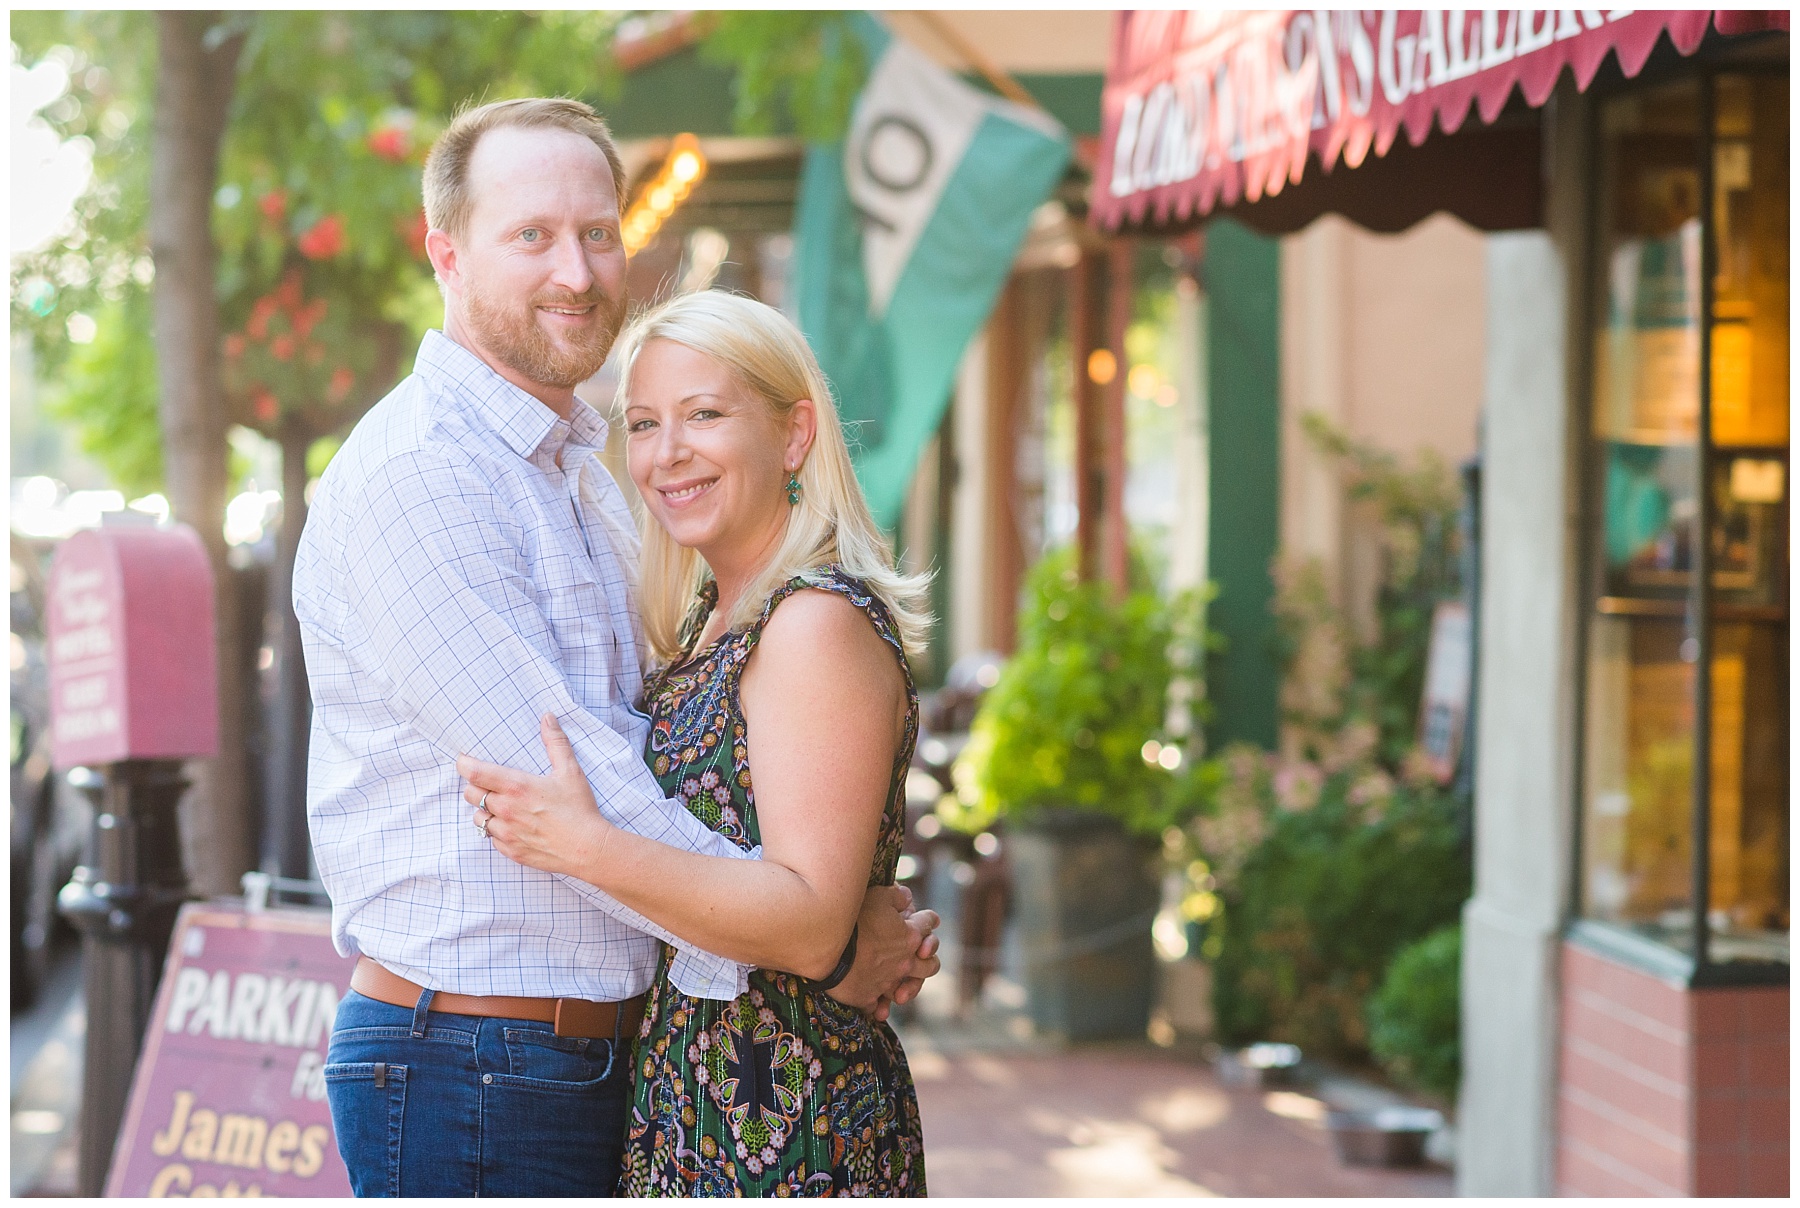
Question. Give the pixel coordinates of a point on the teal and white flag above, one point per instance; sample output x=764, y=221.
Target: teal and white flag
x=904, y=235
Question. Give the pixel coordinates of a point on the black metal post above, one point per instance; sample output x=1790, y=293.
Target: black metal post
x=1468, y=521
x=124, y=901
x=1700, y=593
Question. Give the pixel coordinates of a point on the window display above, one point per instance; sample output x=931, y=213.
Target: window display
x=1748, y=492
x=1658, y=479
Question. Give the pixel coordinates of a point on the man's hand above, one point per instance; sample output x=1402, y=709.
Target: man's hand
x=895, y=952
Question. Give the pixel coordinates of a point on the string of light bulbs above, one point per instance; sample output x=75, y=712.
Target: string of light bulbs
x=683, y=168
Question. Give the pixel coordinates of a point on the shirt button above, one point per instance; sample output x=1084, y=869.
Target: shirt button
x=487, y=1079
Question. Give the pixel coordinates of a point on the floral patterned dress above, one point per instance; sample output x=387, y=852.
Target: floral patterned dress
x=784, y=1090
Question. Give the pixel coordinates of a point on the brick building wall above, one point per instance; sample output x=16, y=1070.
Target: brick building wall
x=1669, y=1091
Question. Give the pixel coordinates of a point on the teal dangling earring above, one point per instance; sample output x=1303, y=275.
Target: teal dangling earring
x=793, y=489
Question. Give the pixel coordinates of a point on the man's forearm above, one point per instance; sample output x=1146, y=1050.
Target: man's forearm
x=755, y=912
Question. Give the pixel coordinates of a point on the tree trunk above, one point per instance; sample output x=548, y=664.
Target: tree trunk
x=197, y=70
x=285, y=839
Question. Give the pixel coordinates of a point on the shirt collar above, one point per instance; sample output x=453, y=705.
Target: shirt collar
x=524, y=422
x=586, y=425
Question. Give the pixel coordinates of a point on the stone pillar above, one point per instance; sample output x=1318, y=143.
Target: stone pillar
x=1513, y=924
x=1526, y=706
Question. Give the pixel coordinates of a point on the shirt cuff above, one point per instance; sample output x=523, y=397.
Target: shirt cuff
x=703, y=975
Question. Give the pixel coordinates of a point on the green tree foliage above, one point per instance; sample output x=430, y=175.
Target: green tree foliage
x=322, y=281
x=102, y=268
x=1415, y=1018
x=107, y=390
x=1067, y=724
x=796, y=70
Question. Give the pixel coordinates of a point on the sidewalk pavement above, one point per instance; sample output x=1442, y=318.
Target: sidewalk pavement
x=1008, y=1115
x=47, y=1052
x=1005, y=1114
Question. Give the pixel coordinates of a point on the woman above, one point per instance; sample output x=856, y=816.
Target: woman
x=781, y=630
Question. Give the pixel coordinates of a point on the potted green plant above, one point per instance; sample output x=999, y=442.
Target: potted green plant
x=1071, y=748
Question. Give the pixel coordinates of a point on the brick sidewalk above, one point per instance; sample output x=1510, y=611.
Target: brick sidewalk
x=1014, y=1119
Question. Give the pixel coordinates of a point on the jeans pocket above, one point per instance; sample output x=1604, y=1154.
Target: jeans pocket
x=368, y=1109
x=539, y=1058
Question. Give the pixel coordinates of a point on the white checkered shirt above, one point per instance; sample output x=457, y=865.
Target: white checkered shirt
x=452, y=585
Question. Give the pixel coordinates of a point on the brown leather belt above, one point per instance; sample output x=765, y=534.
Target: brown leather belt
x=569, y=1016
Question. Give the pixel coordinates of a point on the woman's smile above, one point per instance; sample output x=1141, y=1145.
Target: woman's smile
x=707, y=456
x=680, y=494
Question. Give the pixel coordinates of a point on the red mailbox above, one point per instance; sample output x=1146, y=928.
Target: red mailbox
x=131, y=647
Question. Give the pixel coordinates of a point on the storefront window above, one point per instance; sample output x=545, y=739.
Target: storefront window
x=1644, y=800
x=1747, y=481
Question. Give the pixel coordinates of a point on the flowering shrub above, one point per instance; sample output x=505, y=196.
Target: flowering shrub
x=1314, y=864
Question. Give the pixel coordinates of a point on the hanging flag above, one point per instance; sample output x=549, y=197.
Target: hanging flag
x=904, y=235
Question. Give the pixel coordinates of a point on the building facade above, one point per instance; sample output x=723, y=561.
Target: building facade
x=1626, y=960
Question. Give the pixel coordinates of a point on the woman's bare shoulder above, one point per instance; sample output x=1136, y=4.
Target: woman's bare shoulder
x=818, y=632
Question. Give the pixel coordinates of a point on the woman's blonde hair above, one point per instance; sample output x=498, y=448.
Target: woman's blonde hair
x=831, y=524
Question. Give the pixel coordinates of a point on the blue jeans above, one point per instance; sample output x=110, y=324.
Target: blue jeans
x=454, y=1105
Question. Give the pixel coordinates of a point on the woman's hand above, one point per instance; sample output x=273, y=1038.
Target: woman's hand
x=548, y=822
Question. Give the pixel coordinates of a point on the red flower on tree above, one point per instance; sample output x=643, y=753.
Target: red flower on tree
x=390, y=143
x=260, y=313
x=324, y=240
x=282, y=347
x=341, y=381
x=414, y=230
x=308, y=316
x=273, y=205
x=266, y=408
x=289, y=292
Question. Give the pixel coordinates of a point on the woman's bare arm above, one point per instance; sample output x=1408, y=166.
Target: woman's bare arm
x=824, y=703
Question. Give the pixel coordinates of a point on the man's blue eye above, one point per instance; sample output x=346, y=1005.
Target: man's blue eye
x=529, y=236
x=599, y=234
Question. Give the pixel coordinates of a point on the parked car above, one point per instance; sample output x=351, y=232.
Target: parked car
x=50, y=818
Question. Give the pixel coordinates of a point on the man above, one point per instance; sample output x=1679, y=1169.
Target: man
x=467, y=568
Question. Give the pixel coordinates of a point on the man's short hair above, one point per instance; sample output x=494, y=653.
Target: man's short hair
x=447, y=198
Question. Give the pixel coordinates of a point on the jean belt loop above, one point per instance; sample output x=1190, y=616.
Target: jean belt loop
x=422, y=1013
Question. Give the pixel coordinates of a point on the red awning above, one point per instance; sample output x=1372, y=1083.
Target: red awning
x=1204, y=109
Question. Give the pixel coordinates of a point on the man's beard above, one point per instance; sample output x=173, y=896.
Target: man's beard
x=513, y=337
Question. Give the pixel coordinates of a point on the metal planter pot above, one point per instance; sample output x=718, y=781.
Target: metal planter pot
x=1085, y=895
x=1386, y=1136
